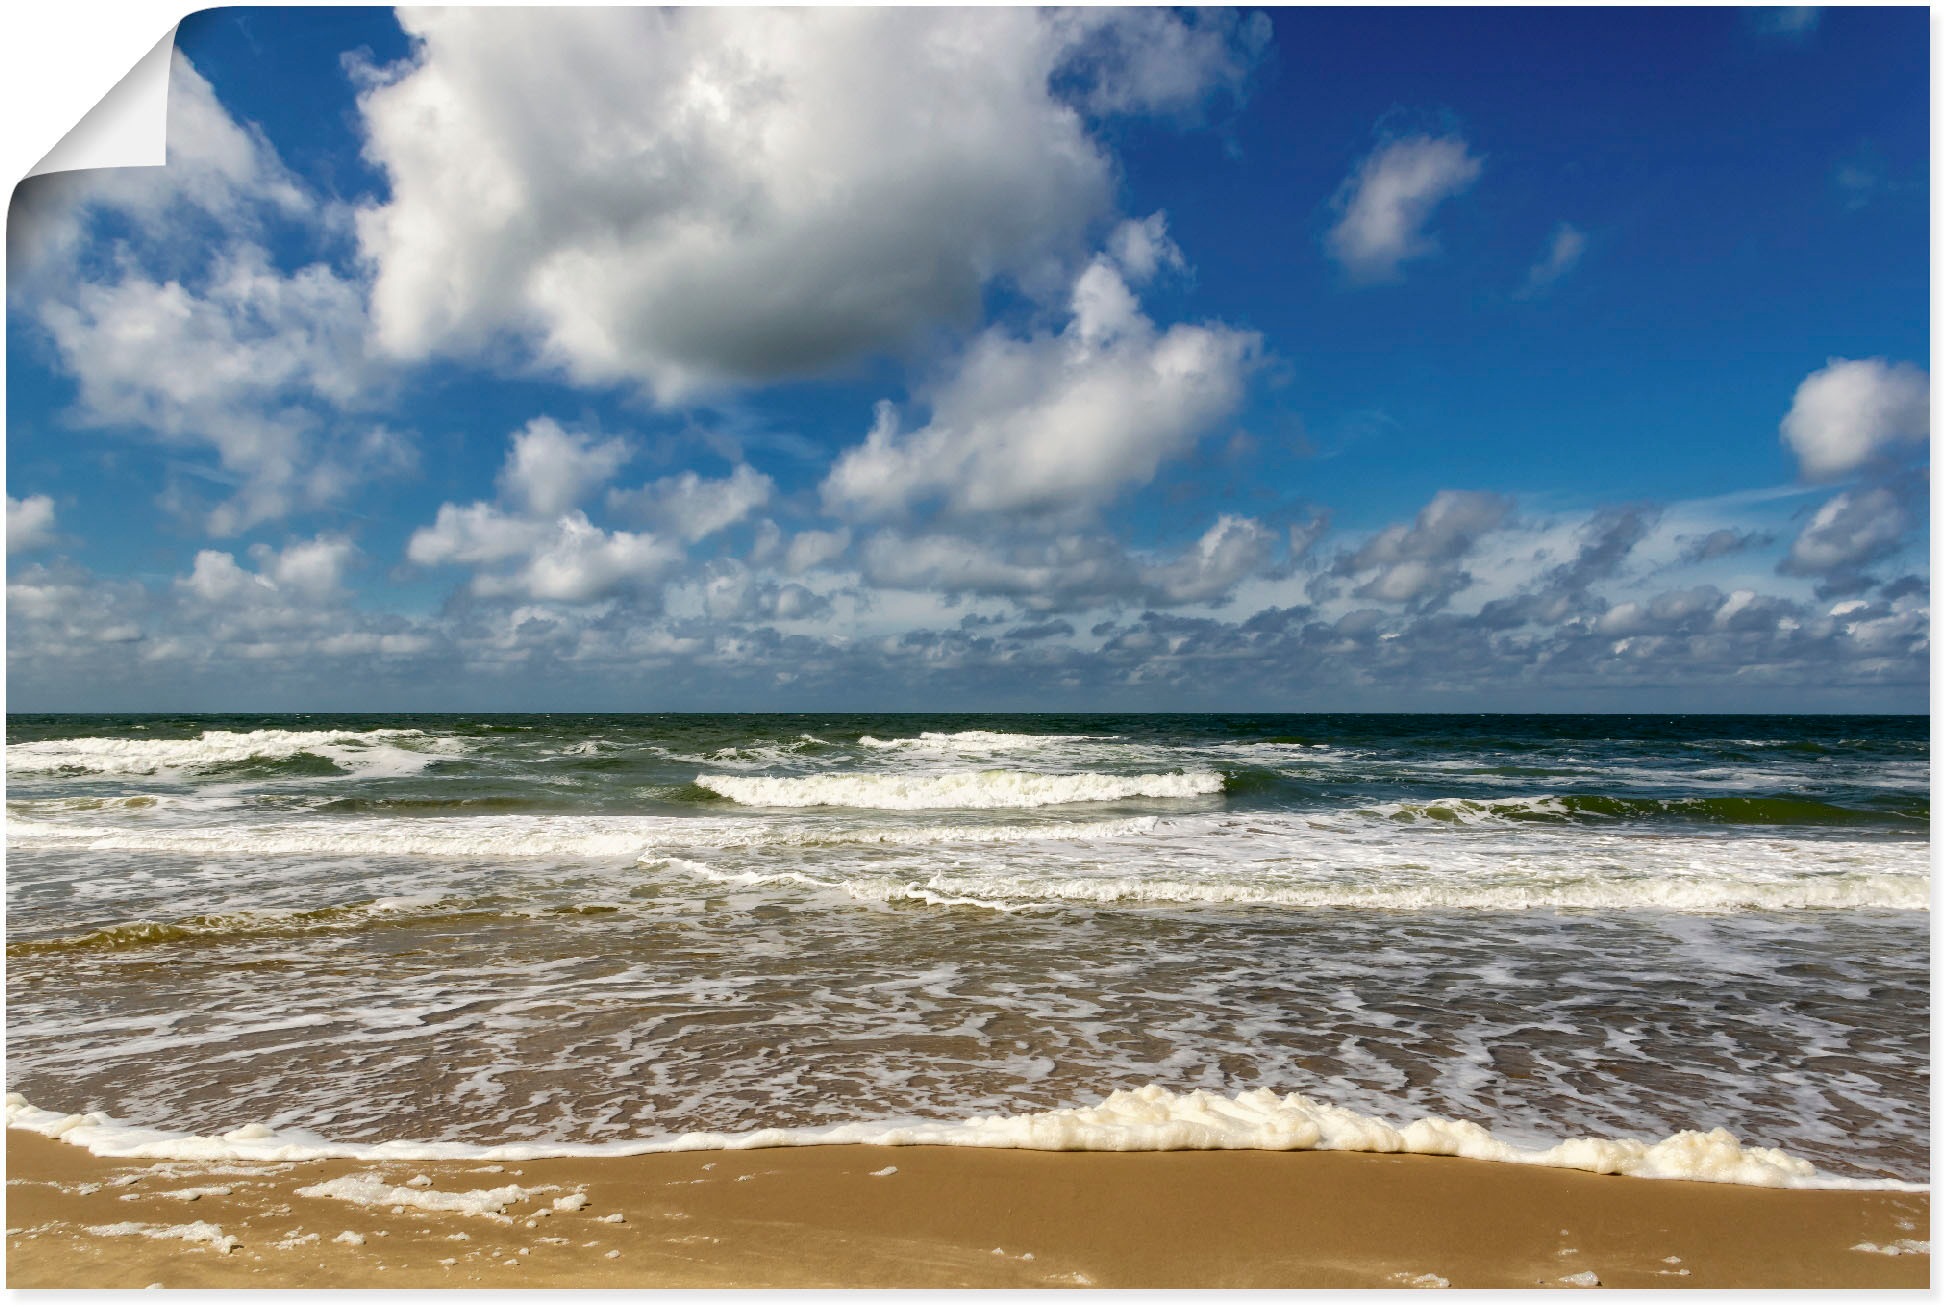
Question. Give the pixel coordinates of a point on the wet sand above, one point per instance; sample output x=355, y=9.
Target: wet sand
x=821, y=1217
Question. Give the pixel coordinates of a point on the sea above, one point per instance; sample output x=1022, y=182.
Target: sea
x=515, y=935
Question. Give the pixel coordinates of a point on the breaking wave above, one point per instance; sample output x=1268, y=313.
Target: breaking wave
x=993, y=788
x=485, y=838
x=381, y=752
x=1687, y=894
x=1150, y=1119
x=973, y=741
x=1727, y=810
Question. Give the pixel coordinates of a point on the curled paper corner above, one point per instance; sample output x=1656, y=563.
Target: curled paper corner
x=128, y=127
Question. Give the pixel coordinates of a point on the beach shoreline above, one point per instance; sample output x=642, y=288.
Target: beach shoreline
x=932, y=1217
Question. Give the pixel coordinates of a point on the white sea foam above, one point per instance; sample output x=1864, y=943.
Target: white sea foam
x=1889, y=892
x=194, y=1232
x=975, y=741
x=381, y=752
x=540, y=836
x=372, y=1191
x=994, y=788
x=1151, y=1119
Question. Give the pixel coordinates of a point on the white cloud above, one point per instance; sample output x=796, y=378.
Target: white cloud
x=1564, y=250
x=1143, y=247
x=1387, y=202
x=549, y=469
x=1157, y=60
x=216, y=579
x=808, y=549
x=1403, y=564
x=178, y=326
x=536, y=545
x=1067, y=571
x=30, y=523
x=477, y=533
x=1071, y=572
x=311, y=570
x=1053, y=423
x=1850, y=530
x=1230, y=550
x=694, y=507
x=579, y=563
x=254, y=366
x=297, y=586
x=217, y=169
x=705, y=196
x=1851, y=410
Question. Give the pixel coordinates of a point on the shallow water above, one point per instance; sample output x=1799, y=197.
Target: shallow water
x=587, y=928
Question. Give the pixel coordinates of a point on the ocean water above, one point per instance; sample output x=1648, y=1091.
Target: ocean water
x=574, y=932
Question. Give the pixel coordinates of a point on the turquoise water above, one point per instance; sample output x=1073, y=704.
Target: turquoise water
x=582, y=927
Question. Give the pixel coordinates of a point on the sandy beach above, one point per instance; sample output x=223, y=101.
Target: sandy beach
x=935, y=1217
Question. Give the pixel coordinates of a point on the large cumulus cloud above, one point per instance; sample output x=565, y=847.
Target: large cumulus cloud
x=691, y=197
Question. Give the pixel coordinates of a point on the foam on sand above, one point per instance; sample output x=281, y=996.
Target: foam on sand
x=372, y=1191
x=194, y=1232
x=1151, y=1119
x=992, y=788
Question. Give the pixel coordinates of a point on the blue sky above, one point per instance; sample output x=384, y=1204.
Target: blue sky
x=1009, y=359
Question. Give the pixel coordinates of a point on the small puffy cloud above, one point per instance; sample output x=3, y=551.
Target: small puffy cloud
x=1420, y=563
x=1720, y=543
x=216, y=579
x=1142, y=248
x=577, y=563
x=1672, y=610
x=731, y=592
x=1605, y=541
x=30, y=523
x=1849, y=412
x=1229, y=551
x=718, y=196
x=809, y=549
x=307, y=574
x=1386, y=203
x=534, y=545
x=476, y=533
x=1851, y=530
x=695, y=507
x=1564, y=250
x=550, y=469
x=1052, y=424
x=1157, y=60
x=308, y=569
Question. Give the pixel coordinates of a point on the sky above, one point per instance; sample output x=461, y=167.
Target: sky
x=1487, y=360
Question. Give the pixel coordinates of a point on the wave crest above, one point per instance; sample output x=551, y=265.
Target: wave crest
x=1150, y=1119
x=1857, y=891
x=993, y=788
x=366, y=752
x=1726, y=810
